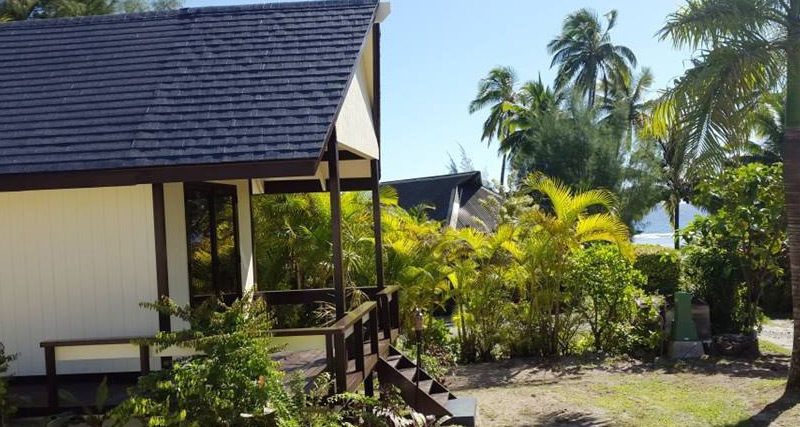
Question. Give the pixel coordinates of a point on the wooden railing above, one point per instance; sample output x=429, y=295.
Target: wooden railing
x=344, y=341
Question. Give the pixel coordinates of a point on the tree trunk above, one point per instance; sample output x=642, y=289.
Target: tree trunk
x=791, y=176
x=676, y=225
x=503, y=171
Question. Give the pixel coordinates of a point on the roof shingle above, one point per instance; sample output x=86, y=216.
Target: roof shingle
x=192, y=86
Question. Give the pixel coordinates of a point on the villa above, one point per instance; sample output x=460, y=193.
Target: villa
x=132, y=146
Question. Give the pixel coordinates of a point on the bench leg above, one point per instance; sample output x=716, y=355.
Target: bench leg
x=144, y=359
x=369, y=386
x=52, y=381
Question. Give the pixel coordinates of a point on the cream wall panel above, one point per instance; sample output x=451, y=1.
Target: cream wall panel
x=355, y=130
x=75, y=264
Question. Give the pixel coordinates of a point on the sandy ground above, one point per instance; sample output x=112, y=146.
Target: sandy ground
x=530, y=392
x=778, y=331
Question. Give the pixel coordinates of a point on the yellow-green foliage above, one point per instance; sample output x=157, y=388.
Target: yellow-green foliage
x=661, y=266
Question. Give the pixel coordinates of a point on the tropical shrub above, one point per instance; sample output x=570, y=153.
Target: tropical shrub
x=710, y=273
x=7, y=406
x=735, y=252
x=609, y=295
x=661, y=266
x=547, y=315
x=233, y=380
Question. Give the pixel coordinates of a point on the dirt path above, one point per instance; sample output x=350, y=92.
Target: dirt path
x=529, y=392
x=778, y=332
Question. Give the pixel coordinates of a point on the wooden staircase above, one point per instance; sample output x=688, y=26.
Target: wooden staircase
x=431, y=397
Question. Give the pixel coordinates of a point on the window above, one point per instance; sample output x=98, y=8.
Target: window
x=213, y=242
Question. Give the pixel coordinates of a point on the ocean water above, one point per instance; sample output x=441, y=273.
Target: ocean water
x=656, y=229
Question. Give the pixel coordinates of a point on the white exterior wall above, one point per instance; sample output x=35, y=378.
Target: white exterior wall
x=75, y=264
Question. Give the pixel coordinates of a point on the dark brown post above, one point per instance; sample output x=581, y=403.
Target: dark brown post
x=358, y=345
x=373, y=331
x=376, y=222
x=162, y=278
x=144, y=359
x=52, y=380
x=336, y=225
x=340, y=354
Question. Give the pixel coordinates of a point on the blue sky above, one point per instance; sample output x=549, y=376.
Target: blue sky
x=435, y=51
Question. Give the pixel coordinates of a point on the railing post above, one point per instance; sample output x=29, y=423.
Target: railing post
x=144, y=359
x=384, y=310
x=52, y=380
x=395, y=310
x=340, y=357
x=373, y=331
x=358, y=343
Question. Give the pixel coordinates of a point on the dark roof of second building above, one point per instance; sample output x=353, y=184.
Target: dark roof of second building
x=437, y=192
x=185, y=87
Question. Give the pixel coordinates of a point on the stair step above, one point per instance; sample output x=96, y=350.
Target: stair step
x=464, y=411
x=408, y=373
x=441, y=398
x=425, y=385
x=393, y=360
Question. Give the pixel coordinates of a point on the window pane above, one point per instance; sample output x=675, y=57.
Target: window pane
x=198, y=217
x=228, y=268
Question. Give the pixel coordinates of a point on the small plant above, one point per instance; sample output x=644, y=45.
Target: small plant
x=7, y=402
x=92, y=416
x=233, y=380
x=439, y=350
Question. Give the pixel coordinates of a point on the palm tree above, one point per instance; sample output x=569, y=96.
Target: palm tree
x=749, y=49
x=768, y=124
x=676, y=162
x=625, y=103
x=534, y=101
x=497, y=91
x=584, y=53
x=571, y=213
x=547, y=237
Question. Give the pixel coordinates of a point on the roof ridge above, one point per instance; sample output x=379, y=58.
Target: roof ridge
x=426, y=178
x=187, y=12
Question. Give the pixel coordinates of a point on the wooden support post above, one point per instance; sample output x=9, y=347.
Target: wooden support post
x=336, y=225
x=52, y=380
x=373, y=332
x=144, y=359
x=340, y=357
x=376, y=222
x=384, y=308
x=358, y=344
x=369, y=387
x=162, y=278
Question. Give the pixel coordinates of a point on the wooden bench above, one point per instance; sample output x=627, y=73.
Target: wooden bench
x=342, y=342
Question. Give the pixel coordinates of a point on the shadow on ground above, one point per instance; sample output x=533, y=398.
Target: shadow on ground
x=767, y=415
x=568, y=418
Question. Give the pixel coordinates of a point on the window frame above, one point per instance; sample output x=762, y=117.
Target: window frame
x=210, y=190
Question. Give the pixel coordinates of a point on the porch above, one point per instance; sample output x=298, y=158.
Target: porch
x=361, y=337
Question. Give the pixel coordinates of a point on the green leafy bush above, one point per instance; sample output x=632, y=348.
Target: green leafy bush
x=734, y=253
x=7, y=406
x=233, y=381
x=439, y=349
x=661, y=266
x=608, y=292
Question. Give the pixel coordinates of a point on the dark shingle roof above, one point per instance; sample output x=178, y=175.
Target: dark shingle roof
x=436, y=191
x=192, y=86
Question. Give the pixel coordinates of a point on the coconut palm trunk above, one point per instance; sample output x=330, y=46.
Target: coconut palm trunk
x=791, y=156
x=676, y=227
